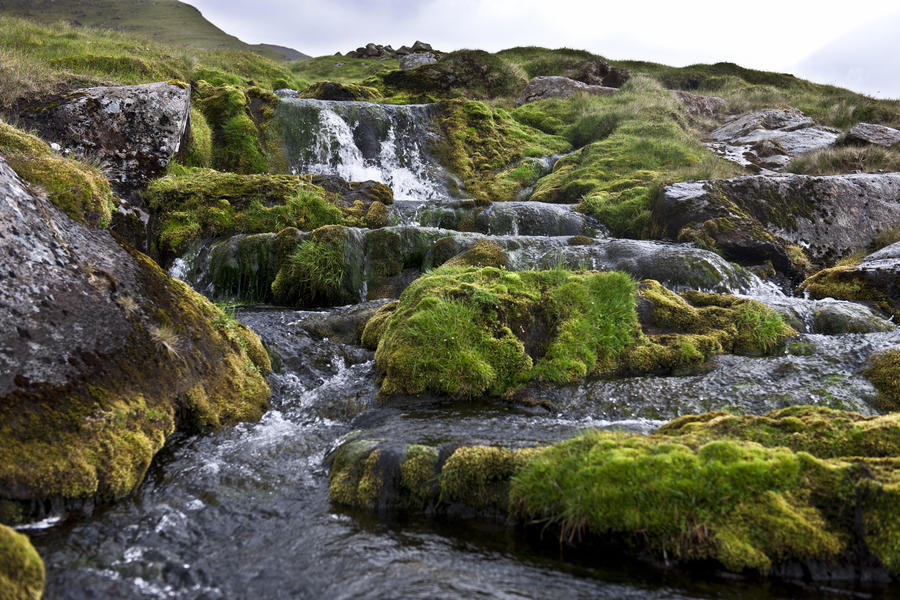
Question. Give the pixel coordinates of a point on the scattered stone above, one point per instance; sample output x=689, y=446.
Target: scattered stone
x=555, y=86
x=766, y=140
x=879, y=135
x=372, y=50
x=411, y=61
x=131, y=131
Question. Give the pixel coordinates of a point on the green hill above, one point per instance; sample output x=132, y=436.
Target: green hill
x=165, y=21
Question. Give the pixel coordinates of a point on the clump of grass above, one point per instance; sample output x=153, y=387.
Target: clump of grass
x=317, y=273
x=846, y=159
x=167, y=340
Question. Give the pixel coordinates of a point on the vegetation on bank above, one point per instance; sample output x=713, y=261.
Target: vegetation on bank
x=749, y=492
x=494, y=331
x=78, y=189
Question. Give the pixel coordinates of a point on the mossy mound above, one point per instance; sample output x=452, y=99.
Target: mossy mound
x=192, y=204
x=81, y=191
x=631, y=142
x=483, y=145
x=239, y=118
x=803, y=484
x=580, y=65
x=197, y=150
x=492, y=331
x=332, y=90
x=883, y=370
x=482, y=254
x=465, y=73
x=323, y=270
x=21, y=569
x=846, y=282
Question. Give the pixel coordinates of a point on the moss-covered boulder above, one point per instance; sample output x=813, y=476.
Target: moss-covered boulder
x=79, y=190
x=484, y=147
x=102, y=357
x=803, y=487
x=492, y=332
x=194, y=204
x=332, y=90
x=883, y=369
x=21, y=569
x=874, y=281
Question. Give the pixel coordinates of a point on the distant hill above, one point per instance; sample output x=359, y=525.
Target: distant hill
x=165, y=21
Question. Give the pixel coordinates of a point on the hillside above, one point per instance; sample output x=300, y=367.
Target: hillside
x=164, y=21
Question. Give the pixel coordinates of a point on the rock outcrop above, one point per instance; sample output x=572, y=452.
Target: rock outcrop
x=759, y=218
x=874, y=281
x=131, y=131
x=766, y=140
x=539, y=88
x=102, y=356
x=879, y=135
x=411, y=61
x=701, y=106
x=372, y=50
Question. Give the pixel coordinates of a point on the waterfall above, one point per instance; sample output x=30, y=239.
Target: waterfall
x=361, y=141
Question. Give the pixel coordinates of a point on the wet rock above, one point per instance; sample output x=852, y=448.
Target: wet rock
x=361, y=194
x=874, y=281
x=766, y=140
x=829, y=317
x=132, y=131
x=540, y=88
x=701, y=106
x=418, y=59
x=95, y=334
x=879, y=135
x=778, y=219
x=341, y=92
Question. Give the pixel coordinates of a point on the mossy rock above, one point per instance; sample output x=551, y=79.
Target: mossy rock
x=482, y=254
x=377, y=215
x=846, y=282
x=331, y=90
x=21, y=569
x=464, y=73
x=883, y=370
x=81, y=191
x=325, y=269
x=493, y=332
x=194, y=204
x=483, y=146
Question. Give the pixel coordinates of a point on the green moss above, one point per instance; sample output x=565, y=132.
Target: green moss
x=883, y=370
x=847, y=283
x=377, y=215
x=418, y=472
x=321, y=271
x=482, y=144
x=198, y=151
x=81, y=191
x=375, y=325
x=478, y=476
x=331, y=90
x=492, y=331
x=21, y=569
x=193, y=204
x=352, y=480
x=482, y=254
x=341, y=69
x=97, y=438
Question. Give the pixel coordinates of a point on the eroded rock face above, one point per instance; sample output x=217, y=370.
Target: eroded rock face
x=766, y=140
x=540, y=88
x=701, y=106
x=132, y=131
x=879, y=135
x=758, y=218
x=101, y=356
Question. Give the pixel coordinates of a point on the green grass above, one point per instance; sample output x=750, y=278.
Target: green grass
x=163, y=21
x=315, y=273
x=341, y=69
x=846, y=159
x=39, y=60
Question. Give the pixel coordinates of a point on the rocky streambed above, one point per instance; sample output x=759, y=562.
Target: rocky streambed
x=371, y=476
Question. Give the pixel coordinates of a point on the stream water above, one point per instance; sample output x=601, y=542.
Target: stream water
x=244, y=512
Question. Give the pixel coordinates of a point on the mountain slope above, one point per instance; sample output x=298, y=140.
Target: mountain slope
x=165, y=21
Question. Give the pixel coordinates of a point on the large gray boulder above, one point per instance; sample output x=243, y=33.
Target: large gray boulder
x=99, y=351
x=766, y=140
x=131, y=131
x=540, y=88
x=879, y=135
x=759, y=218
x=418, y=59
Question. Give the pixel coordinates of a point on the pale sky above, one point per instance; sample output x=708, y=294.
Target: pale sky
x=853, y=44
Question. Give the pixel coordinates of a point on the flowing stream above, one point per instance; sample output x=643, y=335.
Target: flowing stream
x=245, y=513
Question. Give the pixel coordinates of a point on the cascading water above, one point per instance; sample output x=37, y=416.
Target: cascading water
x=362, y=141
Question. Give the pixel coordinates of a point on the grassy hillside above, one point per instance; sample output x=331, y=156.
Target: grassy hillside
x=164, y=21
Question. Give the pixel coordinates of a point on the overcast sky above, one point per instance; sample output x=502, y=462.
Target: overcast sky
x=854, y=43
